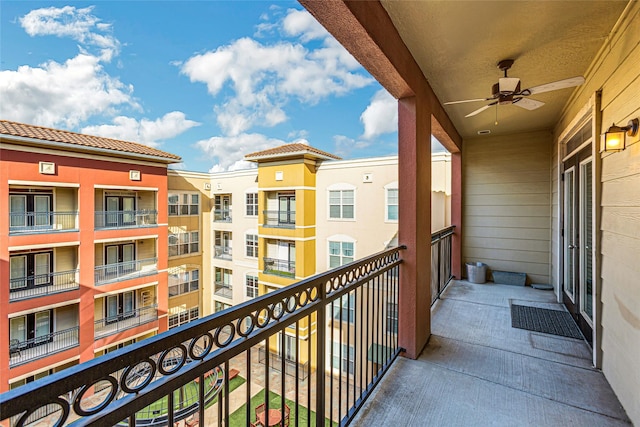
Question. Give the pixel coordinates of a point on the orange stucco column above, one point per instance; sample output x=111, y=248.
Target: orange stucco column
x=456, y=214
x=414, y=225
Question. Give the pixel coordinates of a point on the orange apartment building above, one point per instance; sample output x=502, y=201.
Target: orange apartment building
x=83, y=248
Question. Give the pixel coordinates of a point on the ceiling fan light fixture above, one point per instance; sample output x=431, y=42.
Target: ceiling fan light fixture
x=615, y=137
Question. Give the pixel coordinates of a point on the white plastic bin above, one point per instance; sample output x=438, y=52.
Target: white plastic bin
x=477, y=272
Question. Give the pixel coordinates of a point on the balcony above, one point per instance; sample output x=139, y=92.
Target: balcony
x=126, y=219
x=42, y=284
x=125, y=270
x=223, y=290
x=222, y=215
x=280, y=219
x=42, y=222
x=21, y=352
x=123, y=321
x=479, y=370
x=223, y=252
x=280, y=267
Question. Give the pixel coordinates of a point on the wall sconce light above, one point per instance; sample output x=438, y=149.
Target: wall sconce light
x=615, y=137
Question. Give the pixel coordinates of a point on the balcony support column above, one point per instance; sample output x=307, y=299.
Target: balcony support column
x=456, y=214
x=414, y=225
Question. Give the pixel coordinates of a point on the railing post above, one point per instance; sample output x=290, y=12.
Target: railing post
x=320, y=354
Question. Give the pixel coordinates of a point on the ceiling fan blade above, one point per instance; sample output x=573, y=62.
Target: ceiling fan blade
x=560, y=84
x=480, y=110
x=527, y=103
x=466, y=100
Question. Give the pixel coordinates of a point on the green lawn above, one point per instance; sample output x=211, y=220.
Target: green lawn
x=190, y=389
x=238, y=418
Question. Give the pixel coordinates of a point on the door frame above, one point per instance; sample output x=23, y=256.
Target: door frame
x=590, y=112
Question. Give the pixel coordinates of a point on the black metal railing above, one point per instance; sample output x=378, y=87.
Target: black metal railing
x=280, y=219
x=222, y=215
x=21, y=352
x=192, y=371
x=126, y=219
x=280, y=267
x=42, y=284
x=125, y=320
x=223, y=290
x=125, y=270
x=223, y=252
x=441, y=261
x=42, y=222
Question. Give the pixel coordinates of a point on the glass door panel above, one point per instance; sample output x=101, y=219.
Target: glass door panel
x=128, y=258
x=42, y=211
x=18, y=329
x=569, y=233
x=42, y=269
x=586, y=249
x=43, y=325
x=112, y=259
x=18, y=211
x=112, y=308
x=18, y=272
x=128, y=210
x=113, y=205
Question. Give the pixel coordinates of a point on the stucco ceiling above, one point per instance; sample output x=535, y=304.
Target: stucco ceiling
x=458, y=44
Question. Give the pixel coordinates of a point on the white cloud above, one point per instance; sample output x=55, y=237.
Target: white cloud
x=78, y=24
x=380, y=116
x=148, y=132
x=345, y=146
x=228, y=151
x=264, y=78
x=301, y=23
x=55, y=94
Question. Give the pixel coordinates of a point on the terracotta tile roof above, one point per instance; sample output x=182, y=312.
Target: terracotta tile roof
x=291, y=149
x=78, y=139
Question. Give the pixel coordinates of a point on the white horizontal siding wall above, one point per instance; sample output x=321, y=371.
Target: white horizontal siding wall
x=507, y=203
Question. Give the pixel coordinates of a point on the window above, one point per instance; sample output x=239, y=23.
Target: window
x=119, y=307
x=184, y=282
x=222, y=208
x=392, y=317
x=32, y=329
x=347, y=357
x=184, y=204
x=219, y=306
x=251, y=283
x=223, y=283
x=252, y=204
x=252, y=245
x=392, y=204
x=345, y=309
x=184, y=243
x=183, y=317
x=341, y=204
x=340, y=253
x=223, y=245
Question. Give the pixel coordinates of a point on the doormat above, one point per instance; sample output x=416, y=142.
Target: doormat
x=543, y=320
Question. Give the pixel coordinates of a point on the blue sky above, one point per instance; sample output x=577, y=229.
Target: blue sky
x=207, y=80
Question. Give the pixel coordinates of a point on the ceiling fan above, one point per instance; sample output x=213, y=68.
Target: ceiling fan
x=507, y=91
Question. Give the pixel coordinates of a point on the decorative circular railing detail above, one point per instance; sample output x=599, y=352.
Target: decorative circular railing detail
x=108, y=397
x=245, y=328
x=58, y=401
x=195, y=344
x=228, y=329
x=169, y=363
x=141, y=374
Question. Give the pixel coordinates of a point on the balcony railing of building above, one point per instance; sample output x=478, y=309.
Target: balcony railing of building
x=440, y=261
x=123, y=321
x=342, y=366
x=222, y=215
x=42, y=222
x=42, y=284
x=21, y=352
x=280, y=219
x=126, y=219
x=280, y=267
x=223, y=252
x=125, y=270
x=223, y=290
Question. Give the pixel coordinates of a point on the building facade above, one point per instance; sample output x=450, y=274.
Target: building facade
x=83, y=248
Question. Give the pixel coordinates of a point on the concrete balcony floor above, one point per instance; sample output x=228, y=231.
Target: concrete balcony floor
x=477, y=370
